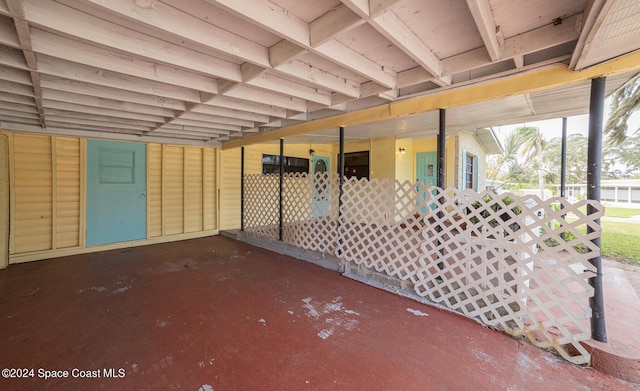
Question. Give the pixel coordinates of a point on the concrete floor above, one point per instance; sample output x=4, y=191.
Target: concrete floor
x=218, y=314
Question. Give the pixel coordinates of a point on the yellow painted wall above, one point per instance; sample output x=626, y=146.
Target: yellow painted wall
x=385, y=162
x=4, y=201
x=382, y=158
x=48, y=195
x=405, y=161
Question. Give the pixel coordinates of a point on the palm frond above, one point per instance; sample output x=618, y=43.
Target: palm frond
x=624, y=103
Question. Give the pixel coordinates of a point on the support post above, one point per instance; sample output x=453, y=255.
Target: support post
x=242, y=189
x=341, y=190
x=563, y=165
x=441, y=152
x=341, y=170
x=563, y=160
x=442, y=141
x=596, y=111
x=280, y=211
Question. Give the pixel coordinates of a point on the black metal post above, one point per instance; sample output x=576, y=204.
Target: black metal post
x=242, y=189
x=281, y=221
x=341, y=191
x=442, y=141
x=563, y=165
x=341, y=171
x=596, y=111
x=441, y=152
x=563, y=160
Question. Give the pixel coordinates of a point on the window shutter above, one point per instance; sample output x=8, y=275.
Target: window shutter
x=463, y=178
x=476, y=166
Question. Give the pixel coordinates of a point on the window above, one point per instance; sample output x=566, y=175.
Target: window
x=608, y=194
x=271, y=164
x=116, y=166
x=469, y=171
x=356, y=164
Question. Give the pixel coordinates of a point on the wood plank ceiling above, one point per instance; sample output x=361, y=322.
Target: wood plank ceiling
x=207, y=71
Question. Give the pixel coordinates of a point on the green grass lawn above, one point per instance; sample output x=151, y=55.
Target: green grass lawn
x=611, y=211
x=621, y=241
x=621, y=212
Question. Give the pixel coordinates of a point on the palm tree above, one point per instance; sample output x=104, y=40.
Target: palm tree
x=508, y=159
x=624, y=103
x=532, y=149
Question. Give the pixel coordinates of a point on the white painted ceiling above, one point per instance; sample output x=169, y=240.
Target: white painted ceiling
x=204, y=72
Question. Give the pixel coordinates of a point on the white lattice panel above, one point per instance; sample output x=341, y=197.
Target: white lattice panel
x=497, y=258
x=261, y=205
x=310, y=210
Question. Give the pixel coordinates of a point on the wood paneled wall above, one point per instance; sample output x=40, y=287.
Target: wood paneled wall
x=48, y=195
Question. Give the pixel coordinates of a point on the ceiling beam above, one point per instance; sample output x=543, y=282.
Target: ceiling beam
x=594, y=16
x=24, y=38
x=270, y=17
x=283, y=86
x=252, y=94
x=319, y=78
x=280, y=22
x=395, y=30
x=230, y=113
x=73, y=23
x=163, y=17
x=254, y=107
x=347, y=57
x=491, y=34
x=334, y=22
x=132, y=100
x=77, y=107
x=106, y=103
x=550, y=77
x=110, y=79
x=184, y=83
x=207, y=118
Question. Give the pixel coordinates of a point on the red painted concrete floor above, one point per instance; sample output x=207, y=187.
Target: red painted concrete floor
x=218, y=314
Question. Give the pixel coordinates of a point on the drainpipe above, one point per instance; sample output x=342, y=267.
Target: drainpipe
x=596, y=110
x=280, y=222
x=242, y=189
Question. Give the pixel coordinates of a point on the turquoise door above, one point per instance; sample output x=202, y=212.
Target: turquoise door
x=116, y=192
x=320, y=205
x=427, y=169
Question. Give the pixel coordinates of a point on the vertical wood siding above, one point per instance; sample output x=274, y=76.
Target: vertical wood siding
x=4, y=201
x=33, y=189
x=181, y=184
x=67, y=192
x=154, y=190
x=173, y=194
x=193, y=213
x=209, y=190
x=230, y=189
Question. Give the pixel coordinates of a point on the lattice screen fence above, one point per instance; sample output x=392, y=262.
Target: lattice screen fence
x=515, y=263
